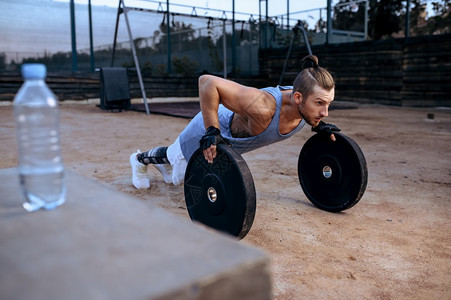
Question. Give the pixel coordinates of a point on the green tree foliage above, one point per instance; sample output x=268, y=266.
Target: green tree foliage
x=349, y=17
x=387, y=17
x=440, y=23
x=384, y=18
x=184, y=66
x=420, y=22
x=2, y=61
x=180, y=34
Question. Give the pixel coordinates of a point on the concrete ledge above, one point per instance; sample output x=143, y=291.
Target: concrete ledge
x=102, y=244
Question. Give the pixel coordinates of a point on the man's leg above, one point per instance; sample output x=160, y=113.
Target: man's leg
x=169, y=161
x=157, y=157
x=178, y=162
x=139, y=162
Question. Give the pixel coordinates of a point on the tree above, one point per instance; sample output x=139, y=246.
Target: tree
x=422, y=24
x=180, y=32
x=349, y=17
x=387, y=17
x=384, y=18
x=2, y=61
x=441, y=21
x=184, y=65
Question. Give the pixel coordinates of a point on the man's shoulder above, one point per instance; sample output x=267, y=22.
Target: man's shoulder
x=279, y=87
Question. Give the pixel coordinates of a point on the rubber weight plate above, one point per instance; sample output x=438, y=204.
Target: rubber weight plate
x=332, y=174
x=221, y=195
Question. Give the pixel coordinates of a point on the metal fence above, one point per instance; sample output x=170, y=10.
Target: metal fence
x=184, y=41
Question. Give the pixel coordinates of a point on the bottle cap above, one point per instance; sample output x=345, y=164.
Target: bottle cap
x=34, y=71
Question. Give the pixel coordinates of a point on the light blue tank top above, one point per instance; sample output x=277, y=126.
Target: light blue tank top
x=191, y=135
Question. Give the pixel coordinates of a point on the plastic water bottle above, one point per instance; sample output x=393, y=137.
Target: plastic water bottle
x=41, y=169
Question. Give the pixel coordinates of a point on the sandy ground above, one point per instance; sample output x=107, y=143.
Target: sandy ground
x=394, y=244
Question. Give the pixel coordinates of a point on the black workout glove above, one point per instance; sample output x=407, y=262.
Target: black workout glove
x=212, y=137
x=325, y=128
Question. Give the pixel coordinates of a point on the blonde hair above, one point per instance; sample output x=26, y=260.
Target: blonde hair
x=311, y=75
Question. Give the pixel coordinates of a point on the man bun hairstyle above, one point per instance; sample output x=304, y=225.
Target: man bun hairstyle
x=311, y=75
x=310, y=61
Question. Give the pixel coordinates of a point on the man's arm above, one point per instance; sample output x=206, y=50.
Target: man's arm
x=216, y=90
x=243, y=100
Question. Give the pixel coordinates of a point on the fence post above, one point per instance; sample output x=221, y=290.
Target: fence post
x=91, y=46
x=407, y=29
x=73, y=35
x=233, y=40
x=169, y=68
x=329, y=22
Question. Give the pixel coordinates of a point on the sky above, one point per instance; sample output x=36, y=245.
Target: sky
x=275, y=7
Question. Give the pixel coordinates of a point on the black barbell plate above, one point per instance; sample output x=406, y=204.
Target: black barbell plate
x=221, y=195
x=333, y=174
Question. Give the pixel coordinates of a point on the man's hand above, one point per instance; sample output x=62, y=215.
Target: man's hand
x=326, y=128
x=209, y=141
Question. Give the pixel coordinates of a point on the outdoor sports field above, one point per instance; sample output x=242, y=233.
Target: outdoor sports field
x=394, y=244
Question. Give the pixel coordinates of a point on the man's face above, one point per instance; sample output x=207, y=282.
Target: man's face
x=315, y=107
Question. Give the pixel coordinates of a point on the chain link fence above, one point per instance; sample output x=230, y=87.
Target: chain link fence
x=187, y=40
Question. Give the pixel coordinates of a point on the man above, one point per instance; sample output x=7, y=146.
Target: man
x=245, y=117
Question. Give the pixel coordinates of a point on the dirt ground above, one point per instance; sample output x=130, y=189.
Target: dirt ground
x=394, y=244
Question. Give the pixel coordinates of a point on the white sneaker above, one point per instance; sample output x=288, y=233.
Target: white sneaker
x=166, y=171
x=139, y=172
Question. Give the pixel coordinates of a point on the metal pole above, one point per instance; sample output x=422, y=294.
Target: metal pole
x=260, y=35
x=90, y=37
x=119, y=11
x=259, y=11
x=168, y=35
x=407, y=29
x=329, y=22
x=288, y=14
x=286, y=59
x=233, y=40
x=307, y=43
x=250, y=48
x=135, y=57
x=366, y=19
x=266, y=7
x=73, y=35
x=267, y=25
x=224, y=46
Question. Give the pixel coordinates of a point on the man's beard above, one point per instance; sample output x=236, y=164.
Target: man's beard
x=311, y=121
